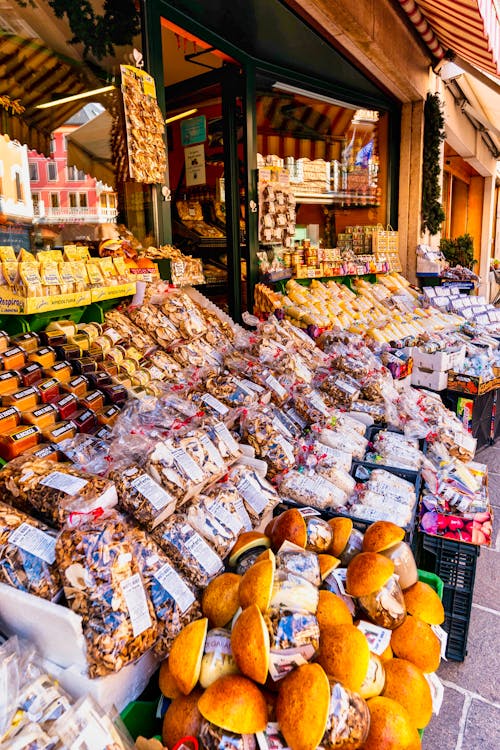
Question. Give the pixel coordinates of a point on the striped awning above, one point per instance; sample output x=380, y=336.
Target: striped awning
x=469, y=28
x=32, y=74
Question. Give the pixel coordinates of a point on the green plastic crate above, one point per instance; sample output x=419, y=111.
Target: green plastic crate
x=140, y=719
x=432, y=580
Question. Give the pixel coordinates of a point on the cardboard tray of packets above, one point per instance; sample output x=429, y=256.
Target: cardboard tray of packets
x=473, y=385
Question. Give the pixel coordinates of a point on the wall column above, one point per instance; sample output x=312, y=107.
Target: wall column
x=487, y=238
x=410, y=185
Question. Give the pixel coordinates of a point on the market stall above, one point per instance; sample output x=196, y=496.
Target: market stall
x=231, y=506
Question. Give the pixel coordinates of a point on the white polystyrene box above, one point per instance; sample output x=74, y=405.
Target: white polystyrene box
x=56, y=631
x=435, y=380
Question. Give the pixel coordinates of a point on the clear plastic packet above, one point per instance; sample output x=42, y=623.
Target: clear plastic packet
x=183, y=313
x=344, y=421
x=225, y=440
x=259, y=496
x=155, y=323
x=57, y=492
x=260, y=430
x=231, y=391
x=348, y=721
x=315, y=454
x=345, y=440
x=194, y=557
x=87, y=453
x=162, y=366
x=311, y=489
x=294, y=593
x=299, y=562
x=225, y=495
x=40, y=700
x=337, y=476
x=341, y=387
x=27, y=554
x=10, y=679
x=198, y=353
x=393, y=449
x=31, y=737
x=174, y=600
x=374, y=409
x=102, y=583
x=310, y=404
x=87, y=727
x=294, y=639
x=213, y=737
x=368, y=505
x=141, y=496
x=215, y=522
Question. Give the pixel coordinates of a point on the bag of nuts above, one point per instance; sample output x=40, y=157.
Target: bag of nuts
x=27, y=554
x=102, y=583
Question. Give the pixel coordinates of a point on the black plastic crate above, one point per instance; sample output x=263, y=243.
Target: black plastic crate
x=359, y=523
x=455, y=563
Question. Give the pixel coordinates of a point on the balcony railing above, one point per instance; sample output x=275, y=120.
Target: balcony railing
x=51, y=214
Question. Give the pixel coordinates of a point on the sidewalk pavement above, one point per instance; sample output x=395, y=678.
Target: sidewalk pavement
x=470, y=715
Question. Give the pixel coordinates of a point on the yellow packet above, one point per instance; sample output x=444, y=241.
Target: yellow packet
x=94, y=274
x=10, y=270
x=30, y=278
x=67, y=278
x=25, y=257
x=108, y=271
x=7, y=253
x=51, y=280
x=121, y=269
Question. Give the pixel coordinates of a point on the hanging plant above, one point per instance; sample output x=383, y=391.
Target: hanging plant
x=432, y=211
x=119, y=23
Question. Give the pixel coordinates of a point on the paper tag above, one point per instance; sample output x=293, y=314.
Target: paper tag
x=224, y=434
x=212, y=451
x=217, y=642
x=67, y=483
x=276, y=386
x=281, y=427
x=187, y=465
x=343, y=386
x=152, y=491
x=340, y=576
x=443, y=639
x=437, y=691
x=308, y=512
x=35, y=541
x=93, y=736
x=378, y=638
x=318, y=403
x=219, y=407
x=252, y=494
x=170, y=580
x=197, y=546
x=240, y=509
x=113, y=335
x=137, y=604
x=241, y=385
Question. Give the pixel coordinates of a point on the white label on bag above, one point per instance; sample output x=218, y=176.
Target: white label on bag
x=241, y=385
x=219, y=407
x=230, y=520
x=283, y=662
x=240, y=509
x=343, y=386
x=224, y=434
x=152, y=491
x=187, y=465
x=318, y=403
x=170, y=580
x=295, y=417
x=35, y=541
x=279, y=426
x=378, y=638
x=287, y=448
x=156, y=373
x=443, y=639
x=197, y=546
x=212, y=451
x=437, y=691
x=67, y=483
x=276, y=386
x=253, y=386
x=252, y=495
x=137, y=604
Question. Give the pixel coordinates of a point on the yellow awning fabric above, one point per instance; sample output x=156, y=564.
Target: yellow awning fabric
x=33, y=74
x=89, y=148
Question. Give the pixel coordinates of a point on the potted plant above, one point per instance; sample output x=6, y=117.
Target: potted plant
x=459, y=251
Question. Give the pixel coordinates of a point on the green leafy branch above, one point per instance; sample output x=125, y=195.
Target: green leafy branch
x=432, y=211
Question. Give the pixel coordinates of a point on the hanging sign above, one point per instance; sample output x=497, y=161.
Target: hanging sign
x=195, y=165
x=194, y=130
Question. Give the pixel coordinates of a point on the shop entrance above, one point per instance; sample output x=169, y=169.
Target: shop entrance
x=205, y=136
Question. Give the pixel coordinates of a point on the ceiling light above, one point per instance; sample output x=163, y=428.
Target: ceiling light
x=302, y=92
x=181, y=116
x=74, y=97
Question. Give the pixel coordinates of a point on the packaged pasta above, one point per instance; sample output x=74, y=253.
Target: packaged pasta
x=27, y=554
x=102, y=582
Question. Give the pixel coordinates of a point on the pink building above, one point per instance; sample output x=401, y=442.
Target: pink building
x=68, y=204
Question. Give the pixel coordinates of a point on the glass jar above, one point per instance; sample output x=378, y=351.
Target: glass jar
x=385, y=607
x=404, y=564
x=353, y=547
x=348, y=720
